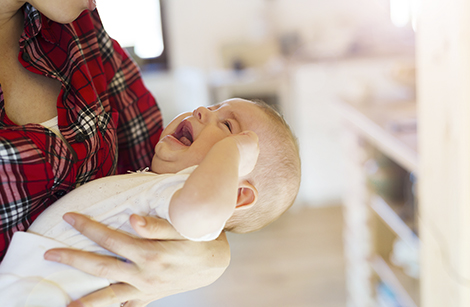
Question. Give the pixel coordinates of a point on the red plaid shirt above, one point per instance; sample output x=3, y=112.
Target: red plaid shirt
x=104, y=112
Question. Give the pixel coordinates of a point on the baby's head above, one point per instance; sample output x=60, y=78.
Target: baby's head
x=276, y=176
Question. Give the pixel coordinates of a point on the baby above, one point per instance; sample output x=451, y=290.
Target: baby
x=233, y=166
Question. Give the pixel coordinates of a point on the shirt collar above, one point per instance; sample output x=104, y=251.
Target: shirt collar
x=32, y=21
x=35, y=23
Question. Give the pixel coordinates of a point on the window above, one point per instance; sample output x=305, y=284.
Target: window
x=138, y=27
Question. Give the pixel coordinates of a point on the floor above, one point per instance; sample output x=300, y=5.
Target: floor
x=295, y=262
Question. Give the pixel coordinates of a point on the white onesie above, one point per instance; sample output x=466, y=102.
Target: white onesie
x=26, y=279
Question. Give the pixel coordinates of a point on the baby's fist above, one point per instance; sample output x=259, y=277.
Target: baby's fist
x=248, y=146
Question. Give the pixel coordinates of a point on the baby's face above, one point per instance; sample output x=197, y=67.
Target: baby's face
x=189, y=137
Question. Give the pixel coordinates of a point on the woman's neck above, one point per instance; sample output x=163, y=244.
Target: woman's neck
x=11, y=27
x=8, y=10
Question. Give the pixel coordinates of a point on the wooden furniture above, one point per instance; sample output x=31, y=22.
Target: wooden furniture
x=379, y=209
x=444, y=146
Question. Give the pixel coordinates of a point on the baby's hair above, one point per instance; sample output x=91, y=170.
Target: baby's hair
x=276, y=175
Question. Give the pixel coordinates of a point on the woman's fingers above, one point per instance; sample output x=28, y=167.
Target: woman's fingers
x=157, y=268
x=154, y=228
x=95, y=264
x=114, y=241
x=114, y=294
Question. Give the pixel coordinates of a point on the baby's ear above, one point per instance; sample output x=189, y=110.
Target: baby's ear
x=247, y=195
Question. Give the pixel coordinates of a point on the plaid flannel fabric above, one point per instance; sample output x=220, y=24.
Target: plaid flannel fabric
x=109, y=119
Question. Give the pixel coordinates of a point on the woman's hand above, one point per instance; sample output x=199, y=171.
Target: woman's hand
x=160, y=264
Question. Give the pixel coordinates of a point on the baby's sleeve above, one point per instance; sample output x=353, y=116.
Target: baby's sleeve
x=167, y=188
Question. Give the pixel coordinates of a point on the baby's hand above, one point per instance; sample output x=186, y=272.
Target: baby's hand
x=248, y=147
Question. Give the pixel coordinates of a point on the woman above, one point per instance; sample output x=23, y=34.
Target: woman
x=73, y=108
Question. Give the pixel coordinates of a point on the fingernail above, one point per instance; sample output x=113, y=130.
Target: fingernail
x=140, y=220
x=52, y=256
x=69, y=219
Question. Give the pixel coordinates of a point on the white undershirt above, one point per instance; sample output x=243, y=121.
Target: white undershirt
x=53, y=125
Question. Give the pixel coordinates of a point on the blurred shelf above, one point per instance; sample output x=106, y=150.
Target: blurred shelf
x=393, y=220
x=404, y=287
x=387, y=128
x=390, y=126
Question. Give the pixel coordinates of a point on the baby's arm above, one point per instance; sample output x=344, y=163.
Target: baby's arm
x=209, y=196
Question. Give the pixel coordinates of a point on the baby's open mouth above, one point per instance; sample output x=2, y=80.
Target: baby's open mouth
x=183, y=133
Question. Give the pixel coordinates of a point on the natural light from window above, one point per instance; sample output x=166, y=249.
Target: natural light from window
x=134, y=24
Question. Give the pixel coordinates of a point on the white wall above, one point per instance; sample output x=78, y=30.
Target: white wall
x=197, y=29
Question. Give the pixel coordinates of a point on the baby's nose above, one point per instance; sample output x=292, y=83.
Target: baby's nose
x=201, y=113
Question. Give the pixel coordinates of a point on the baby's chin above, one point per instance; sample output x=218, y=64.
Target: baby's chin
x=154, y=167
x=159, y=166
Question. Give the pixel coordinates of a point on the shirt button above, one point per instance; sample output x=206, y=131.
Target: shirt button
x=60, y=193
x=79, y=138
x=26, y=57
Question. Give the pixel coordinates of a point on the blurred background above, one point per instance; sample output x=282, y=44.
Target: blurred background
x=343, y=74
